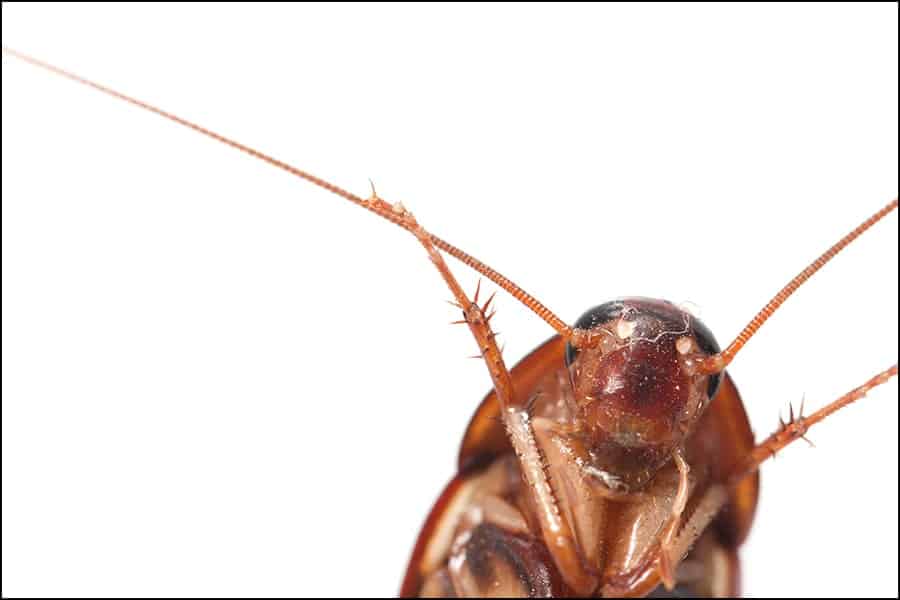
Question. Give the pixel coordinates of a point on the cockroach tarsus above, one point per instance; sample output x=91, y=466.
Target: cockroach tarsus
x=616, y=459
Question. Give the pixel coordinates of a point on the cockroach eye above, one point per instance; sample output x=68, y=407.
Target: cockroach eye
x=708, y=344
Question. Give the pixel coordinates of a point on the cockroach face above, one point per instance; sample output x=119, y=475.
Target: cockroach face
x=637, y=394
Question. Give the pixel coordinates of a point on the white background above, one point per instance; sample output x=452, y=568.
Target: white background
x=220, y=380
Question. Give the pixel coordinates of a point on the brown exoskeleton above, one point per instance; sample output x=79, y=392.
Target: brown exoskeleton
x=624, y=450
x=628, y=436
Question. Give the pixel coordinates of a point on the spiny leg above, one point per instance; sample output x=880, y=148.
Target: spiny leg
x=797, y=426
x=557, y=533
x=473, y=314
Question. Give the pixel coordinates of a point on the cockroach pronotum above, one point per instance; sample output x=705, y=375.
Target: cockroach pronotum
x=615, y=459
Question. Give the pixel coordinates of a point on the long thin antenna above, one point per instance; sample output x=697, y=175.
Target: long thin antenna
x=718, y=362
x=395, y=216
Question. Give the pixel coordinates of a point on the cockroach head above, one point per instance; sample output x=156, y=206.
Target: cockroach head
x=638, y=391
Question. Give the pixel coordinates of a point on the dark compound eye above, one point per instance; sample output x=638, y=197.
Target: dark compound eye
x=709, y=345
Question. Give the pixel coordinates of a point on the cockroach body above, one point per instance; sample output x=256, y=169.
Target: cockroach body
x=479, y=538
x=616, y=459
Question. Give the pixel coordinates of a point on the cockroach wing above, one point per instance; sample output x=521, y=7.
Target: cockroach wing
x=724, y=438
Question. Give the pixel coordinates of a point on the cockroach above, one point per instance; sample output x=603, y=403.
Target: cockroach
x=616, y=459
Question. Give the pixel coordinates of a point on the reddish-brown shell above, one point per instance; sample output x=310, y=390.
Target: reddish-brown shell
x=723, y=433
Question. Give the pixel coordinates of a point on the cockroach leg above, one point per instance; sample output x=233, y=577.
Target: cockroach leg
x=556, y=531
x=666, y=568
x=644, y=578
x=797, y=427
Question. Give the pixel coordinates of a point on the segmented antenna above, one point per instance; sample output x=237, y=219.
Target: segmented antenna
x=713, y=364
x=718, y=362
x=394, y=216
